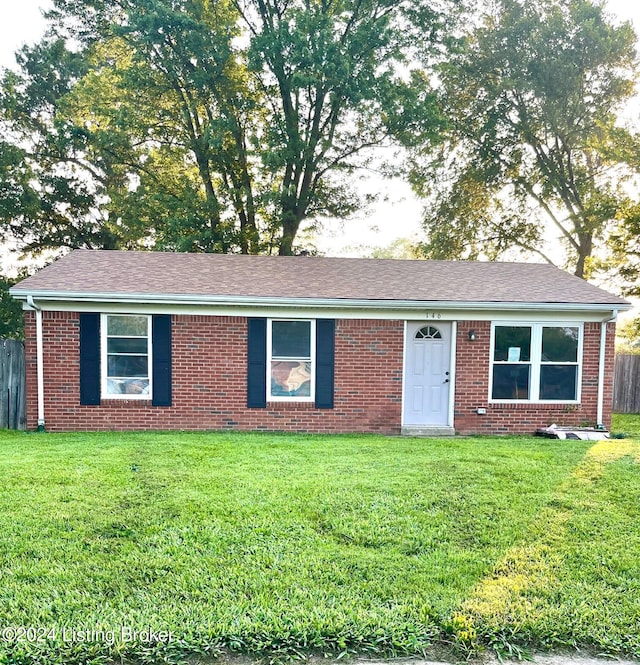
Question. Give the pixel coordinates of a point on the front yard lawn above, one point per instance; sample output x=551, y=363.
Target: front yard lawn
x=156, y=547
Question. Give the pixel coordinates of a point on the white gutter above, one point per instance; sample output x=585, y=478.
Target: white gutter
x=601, y=366
x=316, y=303
x=39, y=361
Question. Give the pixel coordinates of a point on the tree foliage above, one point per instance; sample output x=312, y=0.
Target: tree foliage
x=628, y=336
x=533, y=141
x=49, y=187
x=208, y=125
x=11, y=316
x=624, y=244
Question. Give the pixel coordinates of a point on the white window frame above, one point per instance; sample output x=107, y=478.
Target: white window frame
x=312, y=343
x=104, y=359
x=536, y=361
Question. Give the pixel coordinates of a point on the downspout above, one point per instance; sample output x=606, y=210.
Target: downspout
x=39, y=361
x=603, y=348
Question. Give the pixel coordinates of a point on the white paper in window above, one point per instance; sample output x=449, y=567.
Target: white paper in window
x=514, y=354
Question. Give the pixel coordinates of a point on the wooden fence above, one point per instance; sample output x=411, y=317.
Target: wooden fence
x=626, y=384
x=12, y=384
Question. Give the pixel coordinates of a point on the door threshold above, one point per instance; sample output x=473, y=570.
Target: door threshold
x=427, y=430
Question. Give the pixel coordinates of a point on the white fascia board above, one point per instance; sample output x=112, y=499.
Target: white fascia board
x=251, y=306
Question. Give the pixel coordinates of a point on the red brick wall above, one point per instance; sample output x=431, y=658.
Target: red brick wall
x=209, y=381
x=472, y=387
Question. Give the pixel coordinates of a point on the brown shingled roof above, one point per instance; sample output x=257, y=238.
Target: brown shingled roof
x=225, y=275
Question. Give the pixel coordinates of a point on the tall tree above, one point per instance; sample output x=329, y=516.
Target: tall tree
x=168, y=83
x=330, y=73
x=219, y=125
x=534, y=141
x=51, y=184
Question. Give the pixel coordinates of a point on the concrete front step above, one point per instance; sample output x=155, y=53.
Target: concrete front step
x=415, y=430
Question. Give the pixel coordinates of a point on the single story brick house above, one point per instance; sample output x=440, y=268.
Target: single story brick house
x=147, y=340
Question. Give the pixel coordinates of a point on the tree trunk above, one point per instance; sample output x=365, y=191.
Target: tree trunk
x=585, y=249
x=290, y=225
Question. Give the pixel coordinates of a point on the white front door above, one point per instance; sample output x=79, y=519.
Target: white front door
x=427, y=374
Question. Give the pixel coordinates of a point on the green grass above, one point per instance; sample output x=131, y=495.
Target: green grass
x=282, y=545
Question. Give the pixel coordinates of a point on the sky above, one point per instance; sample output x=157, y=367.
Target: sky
x=395, y=215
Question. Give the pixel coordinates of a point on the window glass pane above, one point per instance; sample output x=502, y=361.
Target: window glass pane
x=428, y=332
x=127, y=345
x=558, y=382
x=512, y=343
x=127, y=325
x=510, y=382
x=291, y=339
x=128, y=386
x=290, y=378
x=124, y=366
x=560, y=345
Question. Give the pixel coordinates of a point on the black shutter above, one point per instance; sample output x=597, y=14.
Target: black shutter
x=89, y=359
x=257, y=368
x=325, y=354
x=161, y=349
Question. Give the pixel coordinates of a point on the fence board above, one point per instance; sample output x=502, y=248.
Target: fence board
x=626, y=384
x=12, y=384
